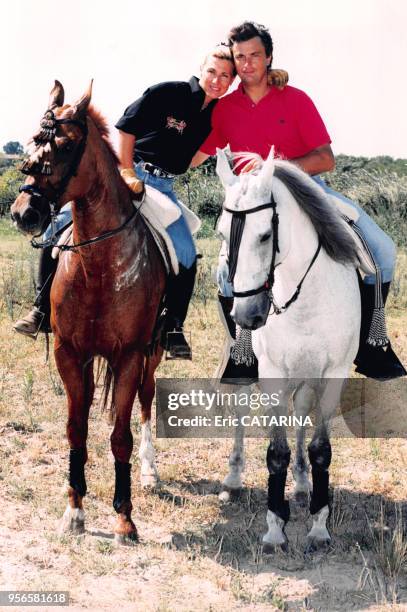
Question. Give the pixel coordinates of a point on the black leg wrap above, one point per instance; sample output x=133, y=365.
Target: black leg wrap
x=276, y=502
x=320, y=453
x=278, y=459
x=320, y=487
x=123, y=484
x=77, y=457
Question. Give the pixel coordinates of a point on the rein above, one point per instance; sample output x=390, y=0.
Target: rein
x=108, y=234
x=236, y=232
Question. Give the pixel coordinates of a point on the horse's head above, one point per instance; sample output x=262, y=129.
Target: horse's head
x=247, y=226
x=56, y=152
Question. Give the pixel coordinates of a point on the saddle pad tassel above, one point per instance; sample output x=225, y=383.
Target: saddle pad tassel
x=242, y=350
x=377, y=334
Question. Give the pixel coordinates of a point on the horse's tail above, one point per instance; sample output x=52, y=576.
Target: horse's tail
x=107, y=372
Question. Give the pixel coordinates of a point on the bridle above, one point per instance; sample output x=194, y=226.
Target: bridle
x=47, y=134
x=236, y=232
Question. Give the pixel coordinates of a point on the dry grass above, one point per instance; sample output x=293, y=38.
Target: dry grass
x=194, y=553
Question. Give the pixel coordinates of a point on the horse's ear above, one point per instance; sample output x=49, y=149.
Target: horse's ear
x=81, y=106
x=56, y=96
x=267, y=171
x=223, y=170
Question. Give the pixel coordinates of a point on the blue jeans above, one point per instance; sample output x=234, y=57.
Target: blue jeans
x=381, y=246
x=63, y=218
x=179, y=231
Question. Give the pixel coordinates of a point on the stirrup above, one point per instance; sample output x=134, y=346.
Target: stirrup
x=176, y=345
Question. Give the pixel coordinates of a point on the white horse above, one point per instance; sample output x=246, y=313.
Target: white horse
x=288, y=249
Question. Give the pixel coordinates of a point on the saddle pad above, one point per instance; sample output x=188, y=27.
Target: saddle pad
x=166, y=211
x=344, y=208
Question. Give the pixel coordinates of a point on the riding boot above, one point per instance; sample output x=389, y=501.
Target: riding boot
x=38, y=319
x=375, y=361
x=236, y=373
x=179, y=292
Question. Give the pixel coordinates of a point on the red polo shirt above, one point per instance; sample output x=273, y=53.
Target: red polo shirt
x=287, y=119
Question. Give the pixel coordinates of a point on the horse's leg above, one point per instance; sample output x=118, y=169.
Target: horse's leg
x=232, y=483
x=278, y=513
x=148, y=472
x=79, y=385
x=319, y=452
x=127, y=374
x=304, y=398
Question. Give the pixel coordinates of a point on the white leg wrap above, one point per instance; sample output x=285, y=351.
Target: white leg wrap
x=73, y=520
x=319, y=532
x=148, y=472
x=275, y=535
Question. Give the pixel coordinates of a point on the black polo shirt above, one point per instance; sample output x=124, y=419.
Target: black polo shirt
x=168, y=124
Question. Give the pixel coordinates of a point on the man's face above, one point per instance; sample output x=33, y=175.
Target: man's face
x=216, y=76
x=251, y=61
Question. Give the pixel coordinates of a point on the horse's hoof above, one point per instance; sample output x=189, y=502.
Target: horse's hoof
x=228, y=494
x=149, y=481
x=270, y=549
x=301, y=498
x=126, y=539
x=73, y=522
x=72, y=528
x=315, y=545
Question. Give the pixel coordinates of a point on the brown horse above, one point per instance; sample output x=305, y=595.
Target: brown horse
x=106, y=293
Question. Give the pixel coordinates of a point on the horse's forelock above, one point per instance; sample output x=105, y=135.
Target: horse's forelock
x=243, y=158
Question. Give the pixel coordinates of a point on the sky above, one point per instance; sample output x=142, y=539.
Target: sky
x=348, y=56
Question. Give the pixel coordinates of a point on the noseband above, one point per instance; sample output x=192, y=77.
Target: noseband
x=236, y=233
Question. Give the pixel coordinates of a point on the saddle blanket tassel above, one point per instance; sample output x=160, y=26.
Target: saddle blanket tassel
x=242, y=350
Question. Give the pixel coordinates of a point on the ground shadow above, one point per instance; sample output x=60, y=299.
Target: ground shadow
x=361, y=525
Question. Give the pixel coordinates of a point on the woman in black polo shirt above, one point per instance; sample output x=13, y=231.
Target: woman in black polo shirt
x=160, y=133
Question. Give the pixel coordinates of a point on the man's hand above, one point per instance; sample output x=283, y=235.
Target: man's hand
x=130, y=178
x=278, y=78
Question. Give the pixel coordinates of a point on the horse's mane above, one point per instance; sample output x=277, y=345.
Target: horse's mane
x=312, y=199
x=103, y=129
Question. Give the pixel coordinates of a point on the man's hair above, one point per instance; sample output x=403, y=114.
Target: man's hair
x=222, y=52
x=247, y=31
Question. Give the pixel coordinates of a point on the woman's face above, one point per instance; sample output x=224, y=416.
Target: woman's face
x=216, y=76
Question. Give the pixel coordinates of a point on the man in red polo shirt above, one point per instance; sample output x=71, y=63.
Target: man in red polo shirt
x=257, y=116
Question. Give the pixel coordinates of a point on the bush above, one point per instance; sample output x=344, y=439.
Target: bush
x=10, y=181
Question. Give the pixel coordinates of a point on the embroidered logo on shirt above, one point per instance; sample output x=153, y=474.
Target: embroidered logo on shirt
x=177, y=125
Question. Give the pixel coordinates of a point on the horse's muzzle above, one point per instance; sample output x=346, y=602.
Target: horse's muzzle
x=251, y=312
x=27, y=218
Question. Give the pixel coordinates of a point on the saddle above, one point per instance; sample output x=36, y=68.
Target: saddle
x=350, y=216
x=158, y=212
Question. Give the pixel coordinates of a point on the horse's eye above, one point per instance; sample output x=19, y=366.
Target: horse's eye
x=63, y=144
x=265, y=237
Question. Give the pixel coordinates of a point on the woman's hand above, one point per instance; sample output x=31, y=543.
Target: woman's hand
x=130, y=178
x=278, y=78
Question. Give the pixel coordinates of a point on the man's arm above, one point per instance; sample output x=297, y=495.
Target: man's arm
x=316, y=161
x=198, y=159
